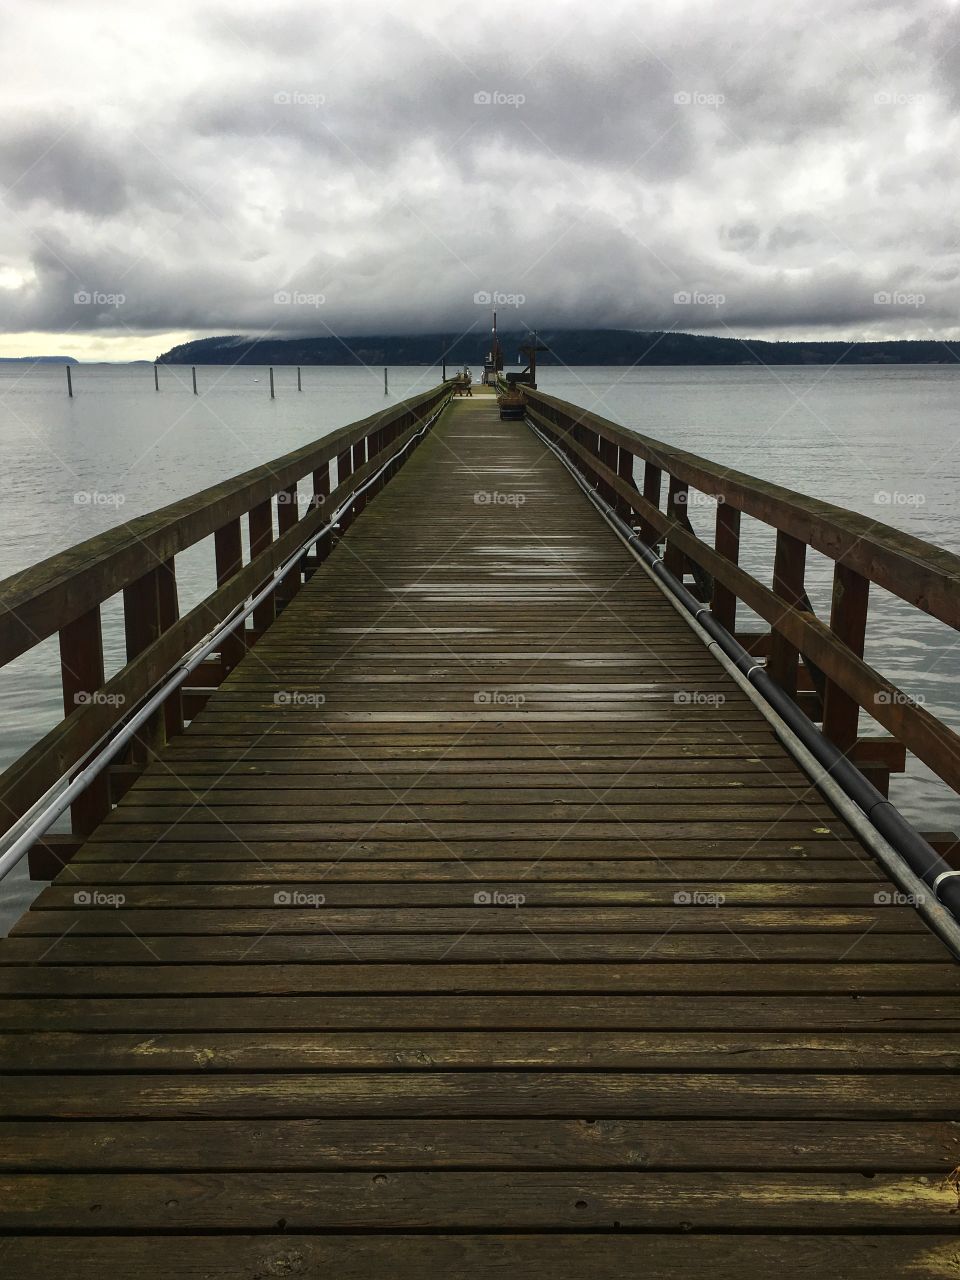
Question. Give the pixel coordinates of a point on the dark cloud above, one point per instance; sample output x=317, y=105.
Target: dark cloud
x=738, y=167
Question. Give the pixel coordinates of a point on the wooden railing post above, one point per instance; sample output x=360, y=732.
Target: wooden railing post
x=82, y=674
x=788, y=570
x=566, y=436
x=625, y=472
x=392, y=432
x=652, y=486
x=593, y=444
x=344, y=468
x=141, y=627
x=609, y=455
x=723, y=605
x=395, y=430
x=228, y=552
x=260, y=522
x=359, y=458
x=673, y=557
x=288, y=514
x=321, y=491
x=374, y=449
x=169, y=614
x=848, y=621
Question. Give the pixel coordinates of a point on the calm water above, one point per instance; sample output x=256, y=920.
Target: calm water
x=883, y=441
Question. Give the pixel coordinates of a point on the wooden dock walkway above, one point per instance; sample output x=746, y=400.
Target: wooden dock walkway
x=478, y=926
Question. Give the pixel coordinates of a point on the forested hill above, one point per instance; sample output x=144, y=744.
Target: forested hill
x=566, y=346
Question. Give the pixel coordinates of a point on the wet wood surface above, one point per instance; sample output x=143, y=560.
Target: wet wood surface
x=478, y=923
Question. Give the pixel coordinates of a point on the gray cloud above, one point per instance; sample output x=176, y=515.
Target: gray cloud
x=382, y=169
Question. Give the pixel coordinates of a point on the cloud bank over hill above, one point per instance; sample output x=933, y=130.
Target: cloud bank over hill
x=342, y=168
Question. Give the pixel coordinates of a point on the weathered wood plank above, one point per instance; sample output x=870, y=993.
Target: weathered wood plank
x=205, y=1056
x=331, y=1143
x=399, y=1012
x=512, y=1201
x=480, y=1051
x=658, y=1256
x=770, y=1095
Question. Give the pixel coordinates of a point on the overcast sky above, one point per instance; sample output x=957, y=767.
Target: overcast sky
x=186, y=169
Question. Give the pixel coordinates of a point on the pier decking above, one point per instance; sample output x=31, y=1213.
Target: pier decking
x=478, y=924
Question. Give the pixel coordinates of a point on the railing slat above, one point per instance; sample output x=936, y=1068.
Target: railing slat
x=82, y=676
x=142, y=628
x=228, y=553
x=170, y=614
x=789, y=567
x=723, y=605
x=677, y=494
x=848, y=621
x=260, y=524
x=652, y=489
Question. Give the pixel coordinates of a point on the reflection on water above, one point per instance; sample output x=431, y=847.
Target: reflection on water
x=883, y=441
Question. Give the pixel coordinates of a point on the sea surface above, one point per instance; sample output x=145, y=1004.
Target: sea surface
x=884, y=441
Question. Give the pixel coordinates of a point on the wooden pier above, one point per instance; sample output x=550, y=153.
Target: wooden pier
x=476, y=923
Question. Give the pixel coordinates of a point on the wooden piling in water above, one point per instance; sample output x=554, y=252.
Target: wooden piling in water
x=299, y=386
x=156, y=378
x=69, y=383
x=272, y=395
x=194, y=372
x=386, y=389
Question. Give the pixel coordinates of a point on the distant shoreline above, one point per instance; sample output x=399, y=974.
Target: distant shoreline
x=613, y=347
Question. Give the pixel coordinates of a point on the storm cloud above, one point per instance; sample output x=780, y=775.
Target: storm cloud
x=744, y=167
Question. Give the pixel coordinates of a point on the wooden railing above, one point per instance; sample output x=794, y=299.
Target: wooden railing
x=838, y=680
x=63, y=595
